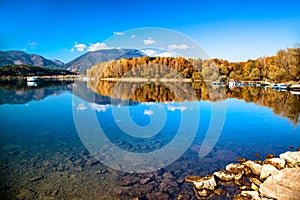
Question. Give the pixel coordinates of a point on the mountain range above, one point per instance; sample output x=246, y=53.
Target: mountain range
x=91, y=58
x=20, y=57
x=79, y=64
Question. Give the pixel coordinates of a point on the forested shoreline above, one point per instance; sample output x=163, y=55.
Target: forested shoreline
x=283, y=67
x=28, y=70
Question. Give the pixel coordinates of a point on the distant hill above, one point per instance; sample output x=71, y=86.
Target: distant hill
x=28, y=70
x=20, y=57
x=87, y=60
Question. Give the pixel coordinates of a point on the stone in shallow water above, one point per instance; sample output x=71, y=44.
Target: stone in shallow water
x=254, y=194
x=257, y=155
x=157, y=196
x=255, y=167
x=270, y=156
x=241, y=160
x=202, y=193
x=92, y=161
x=36, y=178
x=267, y=170
x=206, y=182
x=255, y=181
x=291, y=157
x=167, y=175
x=279, y=163
x=237, y=168
x=145, y=181
x=282, y=186
x=224, y=175
x=219, y=191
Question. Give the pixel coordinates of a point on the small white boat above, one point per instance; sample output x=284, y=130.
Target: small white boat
x=31, y=79
x=295, y=92
x=295, y=87
x=31, y=84
x=231, y=83
x=283, y=86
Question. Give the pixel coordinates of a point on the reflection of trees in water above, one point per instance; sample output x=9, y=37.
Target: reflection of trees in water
x=284, y=104
x=144, y=92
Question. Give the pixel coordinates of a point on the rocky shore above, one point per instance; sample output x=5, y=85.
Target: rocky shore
x=273, y=178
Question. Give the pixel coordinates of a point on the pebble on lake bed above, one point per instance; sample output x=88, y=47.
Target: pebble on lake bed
x=36, y=178
x=274, y=178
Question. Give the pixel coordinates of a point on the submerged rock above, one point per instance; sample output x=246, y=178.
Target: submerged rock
x=270, y=156
x=202, y=193
x=257, y=155
x=92, y=161
x=219, y=191
x=36, y=178
x=268, y=170
x=145, y=181
x=282, y=186
x=291, y=157
x=206, y=182
x=157, y=196
x=237, y=168
x=241, y=160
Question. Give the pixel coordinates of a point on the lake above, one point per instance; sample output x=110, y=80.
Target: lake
x=126, y=140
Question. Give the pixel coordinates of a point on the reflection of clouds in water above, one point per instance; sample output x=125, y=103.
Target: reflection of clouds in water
x=173, y=108
x=148, y=112
x=99, y=108
x=147, y=103
x=81, y=106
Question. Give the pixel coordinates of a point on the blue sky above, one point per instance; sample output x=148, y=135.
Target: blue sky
x=233, y=30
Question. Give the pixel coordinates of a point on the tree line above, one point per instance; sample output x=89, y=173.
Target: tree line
x=284, y=66
x=28, y=70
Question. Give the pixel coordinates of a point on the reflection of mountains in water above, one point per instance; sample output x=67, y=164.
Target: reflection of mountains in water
x=16, y=91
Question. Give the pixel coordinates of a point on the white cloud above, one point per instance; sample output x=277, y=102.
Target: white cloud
x=149, y=52
x=79, y=47
x=148, y=112
x=167, y=54
x=181, y=46
x=118, y=33
x=98, y=46
x=132, y=36
x=173, y=108
x=147, y=103
x=149, y=41
x=99, y=108
x=153, y=53
x=81, y=106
